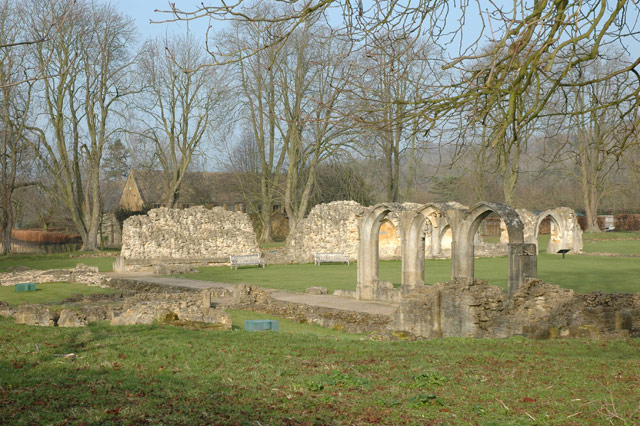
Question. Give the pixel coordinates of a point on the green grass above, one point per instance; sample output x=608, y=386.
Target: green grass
x=625, y=247
x=272, y=245
x=578, y=272
x=170, y=375
x=48, y=292
x=605, y=236
x=54, y=261
x=238, y=318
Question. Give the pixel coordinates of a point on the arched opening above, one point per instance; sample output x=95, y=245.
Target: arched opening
x=390, y=251
x=522, y=257
x=423, y=230
x=492, y=237
x=446, y=238
x=370, y=228
x=388, y=241
x=549, y=235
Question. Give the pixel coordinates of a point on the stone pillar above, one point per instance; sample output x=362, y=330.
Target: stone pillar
x=523, y=264
x=367, y=257
x=119, y=265
x=413, y=243
x=462, y=250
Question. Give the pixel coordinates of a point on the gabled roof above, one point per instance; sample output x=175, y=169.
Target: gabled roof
x=196, y=188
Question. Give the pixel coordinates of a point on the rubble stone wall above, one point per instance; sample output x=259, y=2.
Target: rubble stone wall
x=331, y=227
x=196, y=232
x=467, y=308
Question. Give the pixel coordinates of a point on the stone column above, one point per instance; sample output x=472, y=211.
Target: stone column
x=523, y=264
x=413, y=241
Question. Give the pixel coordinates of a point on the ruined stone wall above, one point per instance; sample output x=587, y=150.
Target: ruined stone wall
x=331, y=227
x=194, y=233
x=467, y=308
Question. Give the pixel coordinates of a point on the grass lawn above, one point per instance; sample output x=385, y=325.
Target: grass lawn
x=169, y=375
x=605, y=236
x=238, y=318
x=48, y=292
x=578, y=272
x=54, y=261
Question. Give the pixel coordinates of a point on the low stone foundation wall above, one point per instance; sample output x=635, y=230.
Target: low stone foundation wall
x=260, y=300
x=123, y=309
x=83, y=274
x=465, y=308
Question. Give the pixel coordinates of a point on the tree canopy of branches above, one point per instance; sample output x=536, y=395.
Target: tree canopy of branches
x=86, y=63
x=525, y=48
x=181, y=104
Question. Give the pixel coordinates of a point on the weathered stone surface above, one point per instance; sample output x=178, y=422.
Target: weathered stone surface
x=190, y=233
x=317, y=290
x=71, y=318
x=259, y=299
x=34, y=315
x=329, y=228
x=344, y=293
x=457, y=308
x=147, y=309
x=83, y=274
x=6, y=310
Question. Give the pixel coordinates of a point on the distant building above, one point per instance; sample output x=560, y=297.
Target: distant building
x=210, y=189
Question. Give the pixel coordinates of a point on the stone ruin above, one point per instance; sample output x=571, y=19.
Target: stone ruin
x=333, y=227
x=468, y=308
x=168, y=240
x=136, y=303
x=414, y=225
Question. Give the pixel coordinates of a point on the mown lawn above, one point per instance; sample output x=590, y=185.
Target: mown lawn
x=170, y=375
x=579, y=272
x=54, y=261
x=48, y=292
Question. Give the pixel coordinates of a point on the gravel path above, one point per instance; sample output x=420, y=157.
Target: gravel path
x=325, y=301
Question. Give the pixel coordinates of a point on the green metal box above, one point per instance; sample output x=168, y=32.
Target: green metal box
x=260, y=325
x=26, y=287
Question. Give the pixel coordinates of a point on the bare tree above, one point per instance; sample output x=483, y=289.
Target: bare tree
x=393, y=72
x=182, y=102
x=313, y=77
x=15, y=113
x=87, y=61
x=599, y=130
x=525, y=47
x=258, y=93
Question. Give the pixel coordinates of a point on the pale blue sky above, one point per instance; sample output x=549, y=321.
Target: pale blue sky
x=142, y=11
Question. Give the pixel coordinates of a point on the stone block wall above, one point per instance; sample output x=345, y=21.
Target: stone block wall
x=467, y=308
x=331, y=227
x=194, y=233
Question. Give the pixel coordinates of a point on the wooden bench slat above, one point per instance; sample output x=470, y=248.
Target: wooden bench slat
x=246, y=259
x=330, y=258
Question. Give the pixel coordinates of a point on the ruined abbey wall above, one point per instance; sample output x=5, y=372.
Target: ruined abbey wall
x=190, y=234
x=331, y=227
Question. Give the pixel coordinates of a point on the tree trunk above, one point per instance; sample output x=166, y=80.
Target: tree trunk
x=265, y=219
x=590, y=193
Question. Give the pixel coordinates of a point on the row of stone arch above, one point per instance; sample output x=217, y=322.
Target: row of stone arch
x=438, y=218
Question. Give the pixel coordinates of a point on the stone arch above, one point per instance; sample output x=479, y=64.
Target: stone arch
x=522, y=257
x=368, y=255
x=560, y=241
x=445, y=241
x=413, y=248
x=569, y=232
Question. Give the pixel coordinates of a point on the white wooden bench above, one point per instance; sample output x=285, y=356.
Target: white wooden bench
x=330, y=258
x=246, y=259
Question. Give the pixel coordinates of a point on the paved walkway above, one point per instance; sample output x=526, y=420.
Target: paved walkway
x=325, y=301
